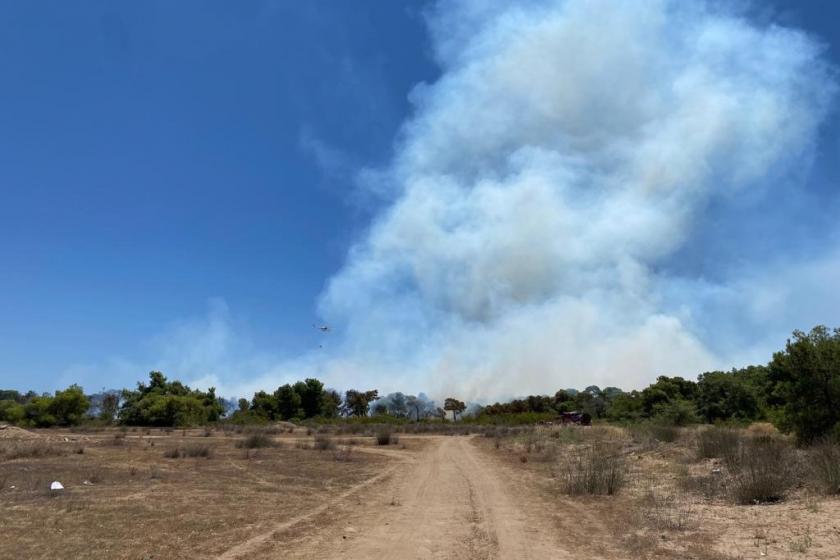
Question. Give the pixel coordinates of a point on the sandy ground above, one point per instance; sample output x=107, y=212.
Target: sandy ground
x=450, y=501
x=430, y=497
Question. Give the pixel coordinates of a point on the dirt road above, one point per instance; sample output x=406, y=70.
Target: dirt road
x=447, y=501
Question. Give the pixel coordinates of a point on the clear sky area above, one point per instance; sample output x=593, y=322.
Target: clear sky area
x=488, y=198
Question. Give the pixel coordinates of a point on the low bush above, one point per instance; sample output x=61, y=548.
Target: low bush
x=385, y=437
x=31, y=449
x=594, y=469
x=717, y=442
x=824, y=467
x=709, y=486
x=255, y=441
x=204, y=451
x=669, y=512
x=664, y=432
x=343, y=453
x=323, y=442
x=762, y=469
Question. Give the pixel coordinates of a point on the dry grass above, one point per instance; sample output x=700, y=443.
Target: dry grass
x=256, y=440
x=823, y=462
x=187, y=509
x=762, y=469
x=717, y=442
x=692, y=498
x=323, y=443
x=592, y=469
x=190, y=450
x=32, y=449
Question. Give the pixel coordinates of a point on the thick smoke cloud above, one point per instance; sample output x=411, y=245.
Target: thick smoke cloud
x=548, y=180
x=592, y=192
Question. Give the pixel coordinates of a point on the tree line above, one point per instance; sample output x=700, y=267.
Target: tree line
x=798, y=391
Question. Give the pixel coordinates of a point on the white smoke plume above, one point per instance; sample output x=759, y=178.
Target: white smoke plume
x=568, y=150
x=549, y=190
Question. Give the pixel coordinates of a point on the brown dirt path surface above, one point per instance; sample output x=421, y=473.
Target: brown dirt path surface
x=448, y=501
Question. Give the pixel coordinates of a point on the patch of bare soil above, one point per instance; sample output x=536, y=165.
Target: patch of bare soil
x=13, y=432
x=124, y=499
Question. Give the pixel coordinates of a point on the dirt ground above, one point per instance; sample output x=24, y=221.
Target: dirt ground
x=430, y=496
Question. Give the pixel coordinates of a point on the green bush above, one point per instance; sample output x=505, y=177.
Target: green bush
x=807, y=383
x=12, y=411
x=163, y=403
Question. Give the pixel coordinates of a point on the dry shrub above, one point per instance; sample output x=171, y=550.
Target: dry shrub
x=664, y=432
x=762, y=469
x=189, y=451
x=255, y=441
x=824, y=467
x=385, y=437
x=717, y=442
x=594, y=469
x=568, y=434
x=667, y=512
x=323, y=442
x=94, y=476
x=600, y=432
x=343, y=453
x=31, y=449
x=642, y=436
x=762, y=429
x=709, y=486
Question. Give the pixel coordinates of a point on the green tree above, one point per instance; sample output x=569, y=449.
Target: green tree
x=675, y=412
x=311, y=393
x=37, y=412
x=11, y=411
x=266, y=405
x=162, y=403
x=356, y=403
x=626, y=407
x=288, y=402
x=454, y=406
x=69, y=406
x=806, y=377
x=330, y=403
x=722, y=396
x=109, y=405
x=665, y=390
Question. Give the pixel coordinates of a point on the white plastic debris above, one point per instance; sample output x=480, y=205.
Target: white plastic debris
x=56, y=485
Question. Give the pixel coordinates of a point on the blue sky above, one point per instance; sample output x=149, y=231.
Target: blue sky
x=181, y=184
x=156, y=155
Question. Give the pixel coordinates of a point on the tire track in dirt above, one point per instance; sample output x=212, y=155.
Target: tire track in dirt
x=255, y=542
x=453, y=502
